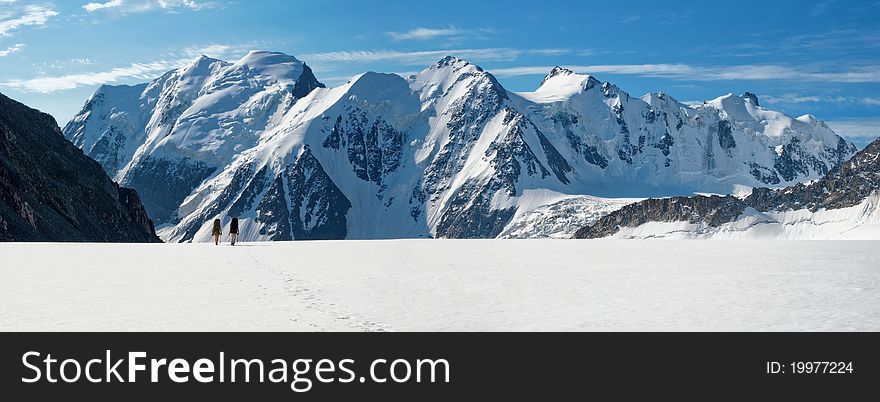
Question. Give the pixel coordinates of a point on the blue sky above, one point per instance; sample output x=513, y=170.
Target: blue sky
x=819, y=57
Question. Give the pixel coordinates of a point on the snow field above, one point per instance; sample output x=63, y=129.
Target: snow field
x=443, y=285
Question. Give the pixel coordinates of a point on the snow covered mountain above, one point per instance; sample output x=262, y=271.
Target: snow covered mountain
x=845, y=204
x=167, y=136
x=447, y=152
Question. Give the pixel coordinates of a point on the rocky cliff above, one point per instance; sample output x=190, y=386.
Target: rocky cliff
x=51, y=192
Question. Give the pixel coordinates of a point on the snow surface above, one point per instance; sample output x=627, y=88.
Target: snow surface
x=443, y=285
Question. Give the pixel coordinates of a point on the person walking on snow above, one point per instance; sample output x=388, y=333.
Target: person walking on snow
x=217, y=232
x=233, y=230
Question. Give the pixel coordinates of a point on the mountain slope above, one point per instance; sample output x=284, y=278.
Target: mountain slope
x=50, y=191
x=447, y=152
x=846, y=202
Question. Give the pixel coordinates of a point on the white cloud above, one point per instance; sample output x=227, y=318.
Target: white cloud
x=717, y=73
x=16, y=47
x=32, y=16
x=190, y=4
x=426, y=57
x=637, y=69
x=135, y=71
x=92, y=7
x=790, y=98
x=49, y=84
x=139, y=6
x=223, y=51
x=796, y=98
x=424, y=33
x=861, y=131
x=411, y=58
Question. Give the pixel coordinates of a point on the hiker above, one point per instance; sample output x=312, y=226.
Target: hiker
x=233, y=230
x=217, y=232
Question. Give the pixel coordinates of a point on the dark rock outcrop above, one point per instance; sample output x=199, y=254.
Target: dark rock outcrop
x=317, y=206
x=303, y=203
x=306, y=83
x=713, y=210
x=751, y=98
x=845, y=186
x=51, y=192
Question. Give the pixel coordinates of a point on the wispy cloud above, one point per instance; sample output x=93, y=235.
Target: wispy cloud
x=860, y=131
x=871, y=101
x=66, y=63
x=425, y=57
x=139, y=6
x=632, y=19
x=32, y=15
x=638, y=69
x=10, y=50
x=798, y=99
x=820, y=8
x=134, y=71
x=92, y=7
x=190, y=4
x=149, y=70
x=712, y=73
x=841, y=42
x=790, y=99
x=425, y=33
x=223, y=51
x=841, y=39
x=50, y=84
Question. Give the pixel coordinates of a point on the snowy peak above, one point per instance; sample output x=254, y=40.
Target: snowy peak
x=726, y=101
x=450, y=76
x=734, y=107
x=257, y=68
x=389, y=92
x=813, y=121
x=452, y=68
x=560, y=85
x=555, y=72
x=280, y=67
x=731, y=102
x=455, y=63
x=203, y=65
x=662, y=101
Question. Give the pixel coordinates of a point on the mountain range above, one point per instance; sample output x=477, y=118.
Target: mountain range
x=447, y=152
